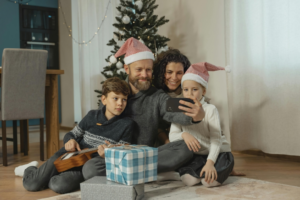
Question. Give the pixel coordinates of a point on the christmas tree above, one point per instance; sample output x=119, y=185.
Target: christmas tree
x=135, y=19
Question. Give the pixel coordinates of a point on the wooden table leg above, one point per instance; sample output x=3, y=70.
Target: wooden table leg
x=52, y=123
x=21, y=136
x=27, y=126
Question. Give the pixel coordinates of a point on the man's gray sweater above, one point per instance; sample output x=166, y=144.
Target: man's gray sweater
x=147, y=108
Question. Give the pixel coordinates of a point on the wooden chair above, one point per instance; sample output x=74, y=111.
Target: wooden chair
x=22, y=93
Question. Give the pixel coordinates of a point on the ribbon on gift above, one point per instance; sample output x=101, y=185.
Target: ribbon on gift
x=130, y=147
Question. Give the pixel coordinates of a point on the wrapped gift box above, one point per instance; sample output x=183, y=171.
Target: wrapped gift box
x=99, y=187
x=131, y=164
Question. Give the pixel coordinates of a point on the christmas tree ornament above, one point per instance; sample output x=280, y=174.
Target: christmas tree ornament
x=142, y=41
x=121, y=70
x=112, y=59
x=137, y=15
x=122, y=32
x=144, y=14
x=139, y=4
x=118, y=13
x=116, y=38
x=126, y=19
x=119, y=64
x=162, y=49
x=120, y=42
x=109, y=73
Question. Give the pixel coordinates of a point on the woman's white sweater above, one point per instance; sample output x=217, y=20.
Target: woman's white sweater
x=207, y=132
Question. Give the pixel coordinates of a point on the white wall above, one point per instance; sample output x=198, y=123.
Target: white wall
x=196, y=28
x=66, y=64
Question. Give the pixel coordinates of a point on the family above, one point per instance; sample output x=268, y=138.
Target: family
x=191, y=147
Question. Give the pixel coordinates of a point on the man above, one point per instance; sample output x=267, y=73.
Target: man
x=147, y=105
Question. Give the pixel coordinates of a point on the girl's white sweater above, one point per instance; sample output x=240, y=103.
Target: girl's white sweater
x=207, y=132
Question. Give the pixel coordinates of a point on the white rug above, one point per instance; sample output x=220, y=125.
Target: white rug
x=233, y=188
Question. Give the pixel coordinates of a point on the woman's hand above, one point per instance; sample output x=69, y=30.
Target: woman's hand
x=191, y=142
x=195, y=111
x=210, y=172
x=72, y=145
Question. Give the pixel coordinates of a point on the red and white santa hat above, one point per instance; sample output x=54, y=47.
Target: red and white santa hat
x=134, y=50
x=199, y=72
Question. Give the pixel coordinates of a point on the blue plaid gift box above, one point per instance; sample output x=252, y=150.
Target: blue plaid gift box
x=131, y=164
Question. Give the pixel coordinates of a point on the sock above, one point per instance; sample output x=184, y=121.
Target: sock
x=19, y=171
x=189, y=180
x=168, y=176
x=213, y=184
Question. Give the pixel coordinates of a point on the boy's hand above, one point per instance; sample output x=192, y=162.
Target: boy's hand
x=210, y=172
x=72, y=145
x=101, y=150
x=192, y=143
x=195, y=111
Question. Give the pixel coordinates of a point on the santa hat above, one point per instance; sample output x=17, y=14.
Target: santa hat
x=199, y=72
x=134, y=50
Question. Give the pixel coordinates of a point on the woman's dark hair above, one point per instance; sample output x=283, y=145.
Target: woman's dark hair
x=163, y=59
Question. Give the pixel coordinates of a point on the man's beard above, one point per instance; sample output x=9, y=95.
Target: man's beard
x=138, y=85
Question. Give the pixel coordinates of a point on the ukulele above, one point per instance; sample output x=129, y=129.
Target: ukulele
x=73, y=159
x=76, y=158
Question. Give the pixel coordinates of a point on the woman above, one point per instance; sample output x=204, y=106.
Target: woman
x=168, y=70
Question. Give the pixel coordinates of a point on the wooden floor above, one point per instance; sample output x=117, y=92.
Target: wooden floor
x=256, y=167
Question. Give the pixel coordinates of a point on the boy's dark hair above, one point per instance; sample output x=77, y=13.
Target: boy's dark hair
x=115, y=85
x=159, y=69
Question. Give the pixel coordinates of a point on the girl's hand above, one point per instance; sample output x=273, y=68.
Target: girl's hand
x=195, y=111
x=72, y=145
x=192, y=143
x=210, y=172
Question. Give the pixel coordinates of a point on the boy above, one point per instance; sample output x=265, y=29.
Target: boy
x=95, y=129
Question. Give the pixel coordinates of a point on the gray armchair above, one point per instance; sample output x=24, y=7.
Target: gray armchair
x=22, y=92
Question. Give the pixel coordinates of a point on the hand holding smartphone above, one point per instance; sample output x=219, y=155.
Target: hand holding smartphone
x=173, y=104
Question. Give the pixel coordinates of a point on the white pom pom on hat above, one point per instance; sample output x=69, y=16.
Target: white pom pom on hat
x=228, y=69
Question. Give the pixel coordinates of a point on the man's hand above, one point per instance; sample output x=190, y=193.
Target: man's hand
x=72, y=145
x=210, y=172
x=191, y=142
x=195, y=111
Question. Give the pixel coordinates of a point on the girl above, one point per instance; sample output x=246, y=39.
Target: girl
x=213, y=161
x=168, y=71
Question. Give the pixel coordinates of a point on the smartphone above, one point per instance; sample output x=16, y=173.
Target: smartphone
x=173, y=103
